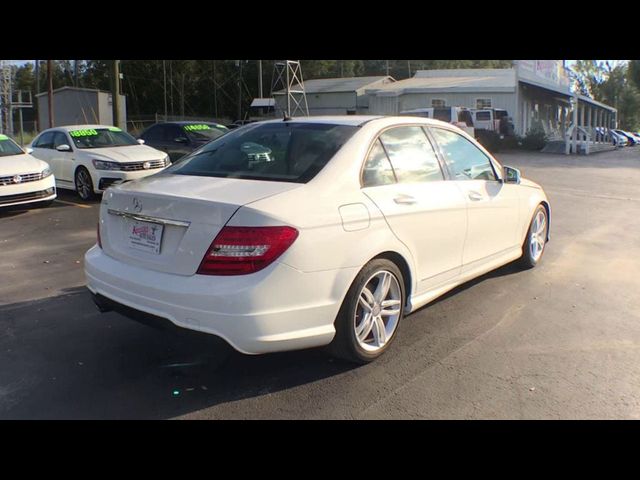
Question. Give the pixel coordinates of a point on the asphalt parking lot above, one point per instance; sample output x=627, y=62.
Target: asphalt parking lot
x=559, y=341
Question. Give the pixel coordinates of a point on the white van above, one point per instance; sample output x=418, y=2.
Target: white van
x=458, y=116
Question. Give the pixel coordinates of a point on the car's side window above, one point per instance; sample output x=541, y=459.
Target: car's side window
x=412, y=155
x=377, y=169
x=464, y=160
x=59, y=139
x=153, y=134
x=45, y=141
x=172, y=132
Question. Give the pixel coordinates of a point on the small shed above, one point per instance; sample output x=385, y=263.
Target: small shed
x=78, y=106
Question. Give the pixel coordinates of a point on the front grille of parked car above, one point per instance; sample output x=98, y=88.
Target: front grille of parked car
x=135, y=166
x=25, y=197
x=24, y=178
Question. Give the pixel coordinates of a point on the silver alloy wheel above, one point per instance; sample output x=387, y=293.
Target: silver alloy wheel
x=538, y=235
x=84, y=185
x=378, y=311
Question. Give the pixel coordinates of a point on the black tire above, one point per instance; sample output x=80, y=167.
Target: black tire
x=85, y=192
x=344, y=344
x=528, y=259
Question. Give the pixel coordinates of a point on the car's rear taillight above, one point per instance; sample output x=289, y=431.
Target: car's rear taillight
x=243, y=250
x=99, y=240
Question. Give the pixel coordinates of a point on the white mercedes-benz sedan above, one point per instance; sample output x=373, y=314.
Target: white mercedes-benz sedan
x=90, y=158
x=23, y=179
x=297, y=233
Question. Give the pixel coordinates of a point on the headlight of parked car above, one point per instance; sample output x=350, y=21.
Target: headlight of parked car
x=102, y=165
x=45, y=173
x=167, y=161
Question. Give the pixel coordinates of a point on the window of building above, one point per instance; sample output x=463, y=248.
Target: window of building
x=438, y=102
x=483, y=103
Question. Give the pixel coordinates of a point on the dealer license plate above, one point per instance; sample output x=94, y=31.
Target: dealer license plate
x=145, y=236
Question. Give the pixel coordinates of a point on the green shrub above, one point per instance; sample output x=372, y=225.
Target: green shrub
x=512, y=142
x=535, y=139
x=489, y=140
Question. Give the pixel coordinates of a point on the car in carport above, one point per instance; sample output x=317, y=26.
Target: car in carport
x=180, y=138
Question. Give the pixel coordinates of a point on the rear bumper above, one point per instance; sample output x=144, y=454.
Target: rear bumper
x=276, y=309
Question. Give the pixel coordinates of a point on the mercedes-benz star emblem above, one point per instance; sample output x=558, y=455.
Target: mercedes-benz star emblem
x=137, y=205
x=146, y=165
x=17, y=178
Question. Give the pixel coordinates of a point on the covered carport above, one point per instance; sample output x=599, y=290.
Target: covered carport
x=590, y=124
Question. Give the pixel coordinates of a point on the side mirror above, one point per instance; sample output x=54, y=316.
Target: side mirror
x=140, y=141
x=28, y=150
x=63, y=148
x=510, y=175
x=181, y=140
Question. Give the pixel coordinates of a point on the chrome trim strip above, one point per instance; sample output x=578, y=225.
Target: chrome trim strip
x=147, y=218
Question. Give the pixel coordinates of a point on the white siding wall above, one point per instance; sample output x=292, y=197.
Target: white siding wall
x=325, y=103
x=392, y=105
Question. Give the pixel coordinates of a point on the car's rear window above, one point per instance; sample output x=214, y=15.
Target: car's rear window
x=280, y=151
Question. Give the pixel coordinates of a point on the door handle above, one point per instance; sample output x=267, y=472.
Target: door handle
x=405, y=200
x=475, y=196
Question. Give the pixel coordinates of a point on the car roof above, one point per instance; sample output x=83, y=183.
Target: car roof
x=190, y=122
x=359, y=120
x=353, y=120
x=68, y=128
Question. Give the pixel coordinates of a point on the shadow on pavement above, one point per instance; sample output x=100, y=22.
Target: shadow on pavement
x=61, y=358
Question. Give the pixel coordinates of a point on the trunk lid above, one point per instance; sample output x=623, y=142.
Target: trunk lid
x=180, y=214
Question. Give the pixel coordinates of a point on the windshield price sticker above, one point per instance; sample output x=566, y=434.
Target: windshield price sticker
x=114, y=129
x=193, y=128
x=3, y=137
x=89, y=132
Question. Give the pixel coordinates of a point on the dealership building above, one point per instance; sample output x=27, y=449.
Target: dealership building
x=533, y=91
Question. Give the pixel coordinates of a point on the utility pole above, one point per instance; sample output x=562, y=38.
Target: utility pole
x=182, y=96
x=409, y=65
x=171, y=84
x=259, y=78
x=37, y=112
x=75, y=73
x=215, y=95
x=387, y=68
x=50, y=92
x=115, y=93
x=164, y=76
x=240, y=90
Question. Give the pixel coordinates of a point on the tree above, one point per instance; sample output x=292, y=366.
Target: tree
x=634, y=72
x=612, y=85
